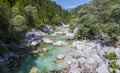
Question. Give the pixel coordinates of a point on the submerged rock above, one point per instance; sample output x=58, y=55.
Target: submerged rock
x=44, y=50
x=35, y=52
x=33, y=70
x=60, y=57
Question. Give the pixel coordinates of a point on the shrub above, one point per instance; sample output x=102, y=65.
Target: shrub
x=111, y=56
x=114, y=65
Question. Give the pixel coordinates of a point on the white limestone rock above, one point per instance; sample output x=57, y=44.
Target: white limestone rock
x=60, y=43
x=102, y=69
x=47, y=41
x=60, y=57
x=70, y=36
x=34, y=43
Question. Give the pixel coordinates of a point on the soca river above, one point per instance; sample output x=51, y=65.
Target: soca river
x=59, y=52
x=46, y=62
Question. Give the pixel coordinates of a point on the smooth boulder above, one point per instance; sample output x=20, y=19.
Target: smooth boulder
x=47, y=41
x=33, y=70
x=60, y=57
x=60, y=43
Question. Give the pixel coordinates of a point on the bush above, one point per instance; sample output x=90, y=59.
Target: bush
x=111, y=56
x=3, y=68
x=15, y=11
x=114, y=65
x=18, y=23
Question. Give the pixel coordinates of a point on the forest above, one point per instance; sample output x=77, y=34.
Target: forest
x=20, y=15
x=45, y=29
x=98, y=20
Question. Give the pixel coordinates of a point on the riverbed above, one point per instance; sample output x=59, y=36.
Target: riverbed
x=46, y=62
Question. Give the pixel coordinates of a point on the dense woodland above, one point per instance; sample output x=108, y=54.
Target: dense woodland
x=17, y=16
x=99, y=19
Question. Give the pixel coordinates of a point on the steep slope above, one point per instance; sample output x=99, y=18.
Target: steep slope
x=19, y=15
x=98, y=20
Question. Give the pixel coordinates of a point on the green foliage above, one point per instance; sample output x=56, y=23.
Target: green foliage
x=111, y=56
x=18, y=20
x=3, y=48
x=115, y=14
x=98, y=19
x=114, y=65
x=15, y=11
x=18, y=15
x=3, y=68
x=18, y=23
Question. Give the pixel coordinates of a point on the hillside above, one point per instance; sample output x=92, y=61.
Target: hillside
x=98, y=19
x=21, y=15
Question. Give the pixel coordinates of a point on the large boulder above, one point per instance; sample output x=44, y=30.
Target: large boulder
x=75, y=30
x=102, y=69
x=59, y=33
x=76, y=43
x=60, y=43
x=33, y=70
x=45, y=30
x=31, y=39
x=47, y=41
x=44, y=50
x=60, y=57
x=70, y=36
x=34, y=43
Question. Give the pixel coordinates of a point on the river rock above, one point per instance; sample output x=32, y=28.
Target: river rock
x=33, y=70
x=118, y=62
x=69, y=62
x=90, y=61
x=47, y=41
x=70, y=36
x=35, y=52
x=76, y=70
x=117, y=71
x=102, y=69
x=34, y=43
x=75, y=30
x=59, y=33
x=81, y=60
x=60, y=57
x=76, y=43
x=60, y=43
x=45, y=30
x=32, y=38
x=44, y=50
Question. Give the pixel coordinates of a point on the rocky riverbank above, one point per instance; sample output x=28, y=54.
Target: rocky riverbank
x=59, y=51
